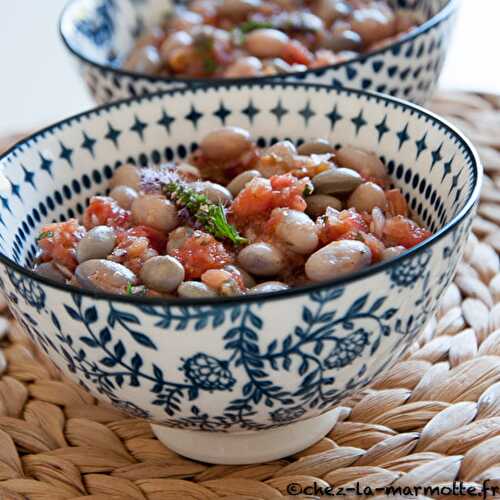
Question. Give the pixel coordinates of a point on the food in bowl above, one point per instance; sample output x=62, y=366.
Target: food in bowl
x=250, y=38
x=235, y=219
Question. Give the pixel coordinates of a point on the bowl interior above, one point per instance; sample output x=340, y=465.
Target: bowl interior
x=104, y=31
x=53, y=174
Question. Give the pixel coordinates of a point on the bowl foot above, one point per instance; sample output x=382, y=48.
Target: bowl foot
x=247, y=447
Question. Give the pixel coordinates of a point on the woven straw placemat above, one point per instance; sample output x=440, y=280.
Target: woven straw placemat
x=432, y=420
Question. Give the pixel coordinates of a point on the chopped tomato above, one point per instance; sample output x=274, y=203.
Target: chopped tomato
x=202, y=252
x=133, y=248
x=296, y=53
x=104, y=211
x=396, y=203
x=399, y=230
x=376, y=246
x=262, y=195
x=348, y=224
x=58, y=242
x=157, y=240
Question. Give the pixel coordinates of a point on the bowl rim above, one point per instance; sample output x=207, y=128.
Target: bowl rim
x=270, y=296
x=446, y=12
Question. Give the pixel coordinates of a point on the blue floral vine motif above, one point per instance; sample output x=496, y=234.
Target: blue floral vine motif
x=313, y=351
x=208, y=373
x=29, y=290
x=100, y=30
x=410, y=270
x=283, y=415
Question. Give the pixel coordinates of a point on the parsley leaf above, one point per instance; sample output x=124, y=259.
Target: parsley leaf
x=46, y=234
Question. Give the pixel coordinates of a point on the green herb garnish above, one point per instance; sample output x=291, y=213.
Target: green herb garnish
x=210, y=215
x=204, y=46
x=130, y=289
x=46, y=234
x=248, y=26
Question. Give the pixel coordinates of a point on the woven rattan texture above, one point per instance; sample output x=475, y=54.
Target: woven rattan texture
x=434, y=419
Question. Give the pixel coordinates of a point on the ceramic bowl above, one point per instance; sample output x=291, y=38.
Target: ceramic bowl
x=251, y=378
x=100, y=33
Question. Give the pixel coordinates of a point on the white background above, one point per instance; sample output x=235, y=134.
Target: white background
x=39, y=84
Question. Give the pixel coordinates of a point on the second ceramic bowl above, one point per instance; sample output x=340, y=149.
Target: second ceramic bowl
x=100, y=33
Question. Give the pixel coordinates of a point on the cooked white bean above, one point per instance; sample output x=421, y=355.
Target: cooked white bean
x=297, y=230
x=366, y=197
x=174, y=41
x=337, y=180
x=237, y=9
x=177, y=238
x=331, y=10
x=365, y=163
x=190, y=172
x=266, y=42
x=156, y=211
x=47, y=270
x=144, y=60
x=393, y=252
x=195, y=290
x=318, y=203
x=338, y=259
x=284, y=150
x=104, y=275
x=126, y=175
x=269, y=287
x=261, y=259
x=215, y=192
x=378, y=223
x=98, y=243
x=245, y=277
x=343, y=40
x=373, y=24
x=226, y=144
x=244, y=67
x=124, y=196
x=240, y=181
x=316, y=147
x=162, y=273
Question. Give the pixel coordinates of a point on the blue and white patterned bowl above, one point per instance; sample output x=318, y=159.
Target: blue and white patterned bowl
x=226, y=375
x=100, y=33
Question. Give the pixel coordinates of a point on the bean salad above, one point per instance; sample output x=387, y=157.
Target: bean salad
x=249, y=38
x=233, y=219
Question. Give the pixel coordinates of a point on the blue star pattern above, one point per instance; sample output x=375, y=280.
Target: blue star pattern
x=46, y=164
x=66, y=154
x=403, y=136
x=222, y=113
x=250, y=111
x=254, y=372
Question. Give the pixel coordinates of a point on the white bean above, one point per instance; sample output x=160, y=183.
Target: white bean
x=316, y=147
x=162, y=273
x=297, y=230
x=373, y=24
x=126, y=175
x=318, y=203
x=284, y=150
x=124, y=196
x=98, y=243
x=47, y=270
x=226, y=144
x=174, y=41
x=195, y=290
x=365, y=163
x=366, y=197
x=155, y=211
x=337, y=259
x=244, y=67
x=104, y=275
x=177, y=238
x=237, y=9
x=337, y=180
x=266, y=42
x=261, y=259
x=240, y=181
x=214, y=192
x=393, y=252
x=269, y=287
x=144, y=60
x=245, y=277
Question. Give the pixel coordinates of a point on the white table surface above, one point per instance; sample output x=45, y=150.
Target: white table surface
x=39, y=84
